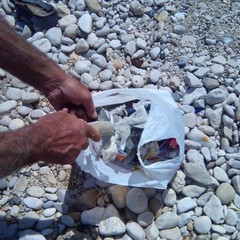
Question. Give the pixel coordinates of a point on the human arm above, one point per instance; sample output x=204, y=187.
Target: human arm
x=24, y=61
x=55, y=138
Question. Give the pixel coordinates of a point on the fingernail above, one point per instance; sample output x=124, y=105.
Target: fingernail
x=94, y=114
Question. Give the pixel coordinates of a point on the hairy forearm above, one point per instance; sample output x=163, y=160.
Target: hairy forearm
x=23, y=60
x=18, y=149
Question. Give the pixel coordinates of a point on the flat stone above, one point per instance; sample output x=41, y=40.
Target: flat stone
x=66, y=20
x=99, y=60
x=136, y=8
x=169, y=197
x=54, y=35
x=93, y=5
x=136, y=200
x=112, y=226
x=236, y=184
x=67, y=220
x=93, y=216
x=24, y=110
x=33, y=203
x=219, y=60
x=214, y=210
x=200, y=137
x=193, y=94
x=221, y=191
x=192, y=80
x=35, y=191
x=214, y=117
x=7, y=106
x=185, y=204
x=198, y=173
x=14, y=93
x=44, y=222
x=118, y=194
x=135, y=231
x=30, y=97
x=137, y=81
x=152, y=232
x=217, y=69
x=49, y=212
x=178, y=182
x=20, y=186
x=146, y=218
x=167, y=220
x=202, y=224
x=170, y=234
x=15, y=124
x=130, y=47
x=43, y=45
x=220, y=174
x=193, y=191
x=202, y=72
x=85, y=23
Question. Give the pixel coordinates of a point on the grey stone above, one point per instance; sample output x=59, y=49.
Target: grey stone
x=14, y=93
x=3, y=184
x=130, y=47
x=99, y=60
x=179, y=29
x=54, y=35
x=15, y=124
x=232, y=217
x=7, y=106
x=154, y=76
x=136, y=8
x=66, y=20
x=210, y=83
x=220, y=174
x=202, y=224
x=146, y=218
x=198, y=173
x=33, y=203
x=193, y=191
x=169, y=197
x=82, y=66
x=136, y=200
x=85, y=23
x=185, y=204
x=217, y=69
x=214, y=210
x=192, y=80
x=171, y=234
x=214, y=117
x=135, y=231
x=30, y=97
x=154, y=52
x=202, y=72
x=167, y=220
x=137, y=81
x=106, y=85
x=48, y=212
x=93, y=216
x=43, y=45
x=193, y=94
x=67, y=220
x=71, y=31
x=221, y=191
x=24, y=110
x=112, y=226
x=152, y=232
x=35, y=191
x=236, y=184
x=219, y=60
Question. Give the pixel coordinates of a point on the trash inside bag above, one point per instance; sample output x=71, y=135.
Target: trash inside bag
x=146, y=147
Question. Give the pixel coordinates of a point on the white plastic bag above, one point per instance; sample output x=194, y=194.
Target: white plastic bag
x=164, y=121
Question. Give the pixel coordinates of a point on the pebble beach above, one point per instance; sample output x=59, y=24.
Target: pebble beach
x=190, y=49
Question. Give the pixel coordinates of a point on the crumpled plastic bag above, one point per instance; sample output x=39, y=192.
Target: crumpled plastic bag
x=164, y=121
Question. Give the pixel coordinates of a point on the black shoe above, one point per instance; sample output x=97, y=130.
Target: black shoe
x=37, y=14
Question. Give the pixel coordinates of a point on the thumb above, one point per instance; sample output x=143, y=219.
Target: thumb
x=93, y=133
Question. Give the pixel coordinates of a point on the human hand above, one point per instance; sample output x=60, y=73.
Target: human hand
x=62, y=136
x=74, y=96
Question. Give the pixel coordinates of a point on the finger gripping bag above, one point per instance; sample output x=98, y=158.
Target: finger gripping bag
x=164, y=121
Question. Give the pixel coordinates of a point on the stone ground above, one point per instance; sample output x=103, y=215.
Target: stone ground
x=189, y=48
